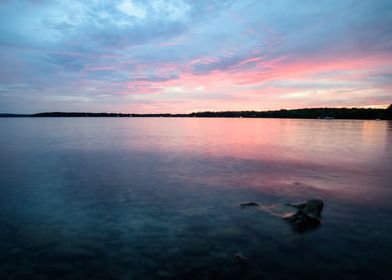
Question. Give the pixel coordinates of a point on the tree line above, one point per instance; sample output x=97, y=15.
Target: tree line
x=307, y=113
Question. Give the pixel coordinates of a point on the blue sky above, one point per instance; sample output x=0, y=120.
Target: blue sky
x=184, y=56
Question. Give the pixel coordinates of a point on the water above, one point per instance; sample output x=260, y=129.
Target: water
x=158, y=198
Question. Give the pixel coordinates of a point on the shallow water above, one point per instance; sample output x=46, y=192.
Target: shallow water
x=158, y=198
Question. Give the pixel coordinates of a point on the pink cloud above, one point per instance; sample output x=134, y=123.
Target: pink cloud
x=246, y=85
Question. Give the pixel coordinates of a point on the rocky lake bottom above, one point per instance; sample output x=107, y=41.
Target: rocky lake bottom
x=130, y=199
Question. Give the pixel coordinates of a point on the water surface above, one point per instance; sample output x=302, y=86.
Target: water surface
x=158, y=198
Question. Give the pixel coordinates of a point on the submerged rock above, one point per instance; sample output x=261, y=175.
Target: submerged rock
x=312, y=207
x=248, y=203
x=240, y=258
x=302, y=221
x=302, y=216
x=308, y=215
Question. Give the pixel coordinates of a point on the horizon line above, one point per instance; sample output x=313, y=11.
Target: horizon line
x=383, y=107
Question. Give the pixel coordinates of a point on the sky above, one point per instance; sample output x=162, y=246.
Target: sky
x=178, y=56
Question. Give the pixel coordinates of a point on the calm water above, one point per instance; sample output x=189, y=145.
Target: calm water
x=159, y=198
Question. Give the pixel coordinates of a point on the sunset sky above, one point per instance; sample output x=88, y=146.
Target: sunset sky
x=181, y=56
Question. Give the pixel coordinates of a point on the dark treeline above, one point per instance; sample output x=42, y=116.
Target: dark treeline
x=14, y=115
x=308, y=113
x=311, y=113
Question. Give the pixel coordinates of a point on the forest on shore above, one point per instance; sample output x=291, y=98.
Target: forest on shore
x=306, y=113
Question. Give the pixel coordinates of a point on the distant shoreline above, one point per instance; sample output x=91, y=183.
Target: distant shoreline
x=307, y=113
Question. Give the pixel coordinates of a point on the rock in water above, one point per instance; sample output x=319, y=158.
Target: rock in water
x=248, y=203
x=307, y=216
x=240, y=258
x=302, y=222
x=312, y=207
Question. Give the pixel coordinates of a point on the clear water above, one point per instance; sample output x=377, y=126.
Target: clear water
x=158, y=198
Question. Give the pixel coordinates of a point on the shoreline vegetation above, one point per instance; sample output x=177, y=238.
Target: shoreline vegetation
x=307, y=113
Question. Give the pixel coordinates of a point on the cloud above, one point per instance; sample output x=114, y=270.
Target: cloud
x=249, y=54
x=131, y=9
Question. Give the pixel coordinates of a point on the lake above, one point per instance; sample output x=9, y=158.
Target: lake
x=159, y=198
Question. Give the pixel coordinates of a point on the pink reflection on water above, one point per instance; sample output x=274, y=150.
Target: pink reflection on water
x=348, y=159
x=334, y=141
